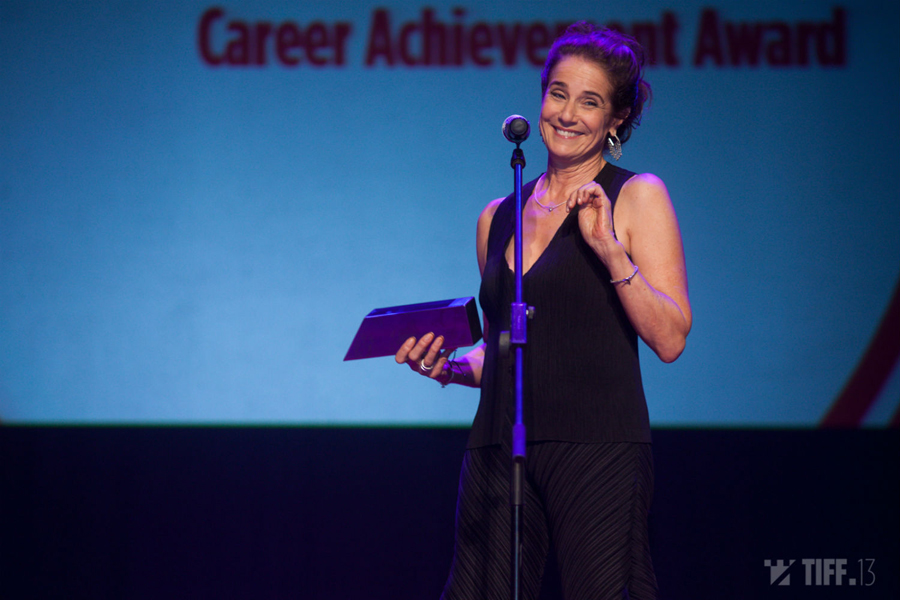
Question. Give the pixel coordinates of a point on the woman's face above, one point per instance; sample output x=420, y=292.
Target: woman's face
x=577, y=113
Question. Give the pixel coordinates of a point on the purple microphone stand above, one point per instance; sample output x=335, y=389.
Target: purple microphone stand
x=516, y=130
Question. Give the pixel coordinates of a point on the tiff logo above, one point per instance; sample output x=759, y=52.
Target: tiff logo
x=779, y=573
x=822, y=571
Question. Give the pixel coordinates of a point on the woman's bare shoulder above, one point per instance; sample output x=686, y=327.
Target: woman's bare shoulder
x=487, y=215
x=491, y=207
x=643, y=195
x=645, y=187
x=483, y=230
x=644, y=211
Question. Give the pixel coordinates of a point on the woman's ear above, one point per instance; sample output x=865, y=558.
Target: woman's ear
x=618, y=122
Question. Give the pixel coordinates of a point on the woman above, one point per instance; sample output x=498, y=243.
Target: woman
x=603, y=264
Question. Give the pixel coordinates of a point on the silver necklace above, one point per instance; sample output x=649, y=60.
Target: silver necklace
x=541, y=204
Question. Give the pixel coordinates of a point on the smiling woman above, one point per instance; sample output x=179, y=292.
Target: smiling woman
x=607, y=270
x=577, y=115
x=99, y=325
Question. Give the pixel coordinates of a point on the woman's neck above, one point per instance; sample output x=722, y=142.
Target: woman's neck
x=561, y=180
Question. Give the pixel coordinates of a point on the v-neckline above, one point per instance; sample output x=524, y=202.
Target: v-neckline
x=562, y=223
x=540, y=257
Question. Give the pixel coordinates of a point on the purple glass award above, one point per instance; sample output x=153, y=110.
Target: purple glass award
x=385, y=329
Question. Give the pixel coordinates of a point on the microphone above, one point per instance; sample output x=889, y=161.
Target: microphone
x=516, y=129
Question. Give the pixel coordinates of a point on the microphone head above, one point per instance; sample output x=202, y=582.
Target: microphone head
x=516, y=129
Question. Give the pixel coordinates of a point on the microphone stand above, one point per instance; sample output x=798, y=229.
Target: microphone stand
x=517, y=338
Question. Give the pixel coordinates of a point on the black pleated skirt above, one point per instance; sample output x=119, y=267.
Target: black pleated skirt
x=586, y=504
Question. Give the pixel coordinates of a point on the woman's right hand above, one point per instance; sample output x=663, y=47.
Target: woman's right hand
x=425, y=355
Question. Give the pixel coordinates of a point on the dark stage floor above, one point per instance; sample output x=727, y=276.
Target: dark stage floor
x=334, y=513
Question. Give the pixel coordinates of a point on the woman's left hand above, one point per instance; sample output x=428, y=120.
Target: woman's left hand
x=595, y=218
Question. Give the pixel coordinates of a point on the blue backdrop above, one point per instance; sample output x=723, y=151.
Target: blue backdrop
x=195, y=216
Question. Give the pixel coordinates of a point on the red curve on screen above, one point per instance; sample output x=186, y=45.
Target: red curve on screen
x=871, y=374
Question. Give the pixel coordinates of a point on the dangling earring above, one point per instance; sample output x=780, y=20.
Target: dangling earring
x=615, y=146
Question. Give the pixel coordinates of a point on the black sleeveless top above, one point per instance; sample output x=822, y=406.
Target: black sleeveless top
x=582, y=378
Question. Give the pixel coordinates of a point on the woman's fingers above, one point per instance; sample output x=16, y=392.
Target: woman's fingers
x=425, y=355
x=403, y=353
x=427, y=362
x=438, y=367
x=590, y=194
x=418, y=352
x=596, y=208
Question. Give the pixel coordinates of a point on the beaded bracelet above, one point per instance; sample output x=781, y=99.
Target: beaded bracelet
x=626, y=279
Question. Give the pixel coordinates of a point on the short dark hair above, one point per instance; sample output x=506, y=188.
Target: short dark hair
x=619, y=55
